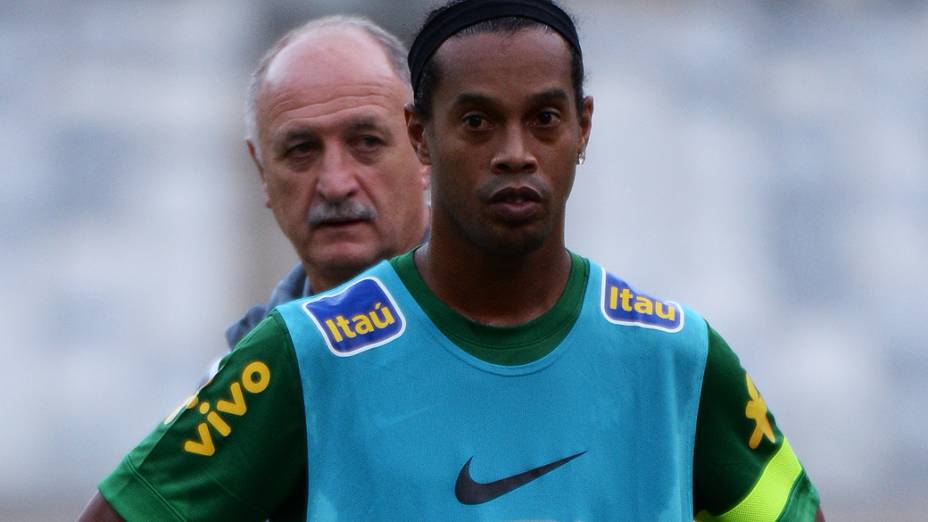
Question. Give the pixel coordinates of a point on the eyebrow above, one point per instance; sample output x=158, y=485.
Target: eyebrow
x=365, y=123
x=303, y=133
x=555, y=94
x=472, y=98
x=298, y=133
x=550, y=96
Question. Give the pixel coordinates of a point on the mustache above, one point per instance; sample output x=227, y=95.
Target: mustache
x=340, y=211
x=495, y=184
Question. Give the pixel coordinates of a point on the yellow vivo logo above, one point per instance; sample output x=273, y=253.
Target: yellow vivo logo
x=254, y=379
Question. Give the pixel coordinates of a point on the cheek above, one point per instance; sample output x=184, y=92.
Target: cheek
x=456, y=167
x=290, y=198
x=444, y=177
x=563, y=184
x=277, y=180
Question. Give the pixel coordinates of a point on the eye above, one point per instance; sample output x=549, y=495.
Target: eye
x=368, y=143
x=304, y=148
x=547, y=119
x=473, y=121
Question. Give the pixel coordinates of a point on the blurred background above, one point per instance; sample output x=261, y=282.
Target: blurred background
x=765, y=162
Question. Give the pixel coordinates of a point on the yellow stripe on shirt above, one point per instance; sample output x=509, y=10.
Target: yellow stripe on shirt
x=767, y=499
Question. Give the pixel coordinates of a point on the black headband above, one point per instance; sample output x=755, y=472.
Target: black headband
x=465, y=14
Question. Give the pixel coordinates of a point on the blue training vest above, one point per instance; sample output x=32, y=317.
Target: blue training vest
x=404, y=425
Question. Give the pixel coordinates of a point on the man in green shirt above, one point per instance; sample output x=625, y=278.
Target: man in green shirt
x=491, y=373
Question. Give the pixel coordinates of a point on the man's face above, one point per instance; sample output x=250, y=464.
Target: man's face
x=335, y=161
x=503, y=139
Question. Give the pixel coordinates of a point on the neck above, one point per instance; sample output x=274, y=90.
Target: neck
x=320, y=281
x=495, y=290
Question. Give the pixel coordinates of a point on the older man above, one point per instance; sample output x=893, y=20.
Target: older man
x=325, y=128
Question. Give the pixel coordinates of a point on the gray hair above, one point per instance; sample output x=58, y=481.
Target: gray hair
x=391, y=45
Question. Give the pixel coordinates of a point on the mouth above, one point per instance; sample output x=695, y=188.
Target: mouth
x=339, y=223
x=342, y=221
x=516, y=204
x=516, y=195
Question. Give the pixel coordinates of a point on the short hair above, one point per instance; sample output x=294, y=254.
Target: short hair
x=391, y=45
x=431, y=73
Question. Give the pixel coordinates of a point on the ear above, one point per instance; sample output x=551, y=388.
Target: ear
x=415, y=127
x=252, y=151
x=586, y=122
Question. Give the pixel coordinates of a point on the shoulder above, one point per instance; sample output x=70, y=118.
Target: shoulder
x=352, y=318
x=620, y=303
x=262, y=363
x=294, y=285
x=216, y=442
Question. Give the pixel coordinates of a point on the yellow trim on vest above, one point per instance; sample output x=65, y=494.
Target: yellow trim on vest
x=768, y=497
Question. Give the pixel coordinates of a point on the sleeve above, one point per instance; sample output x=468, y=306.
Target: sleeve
x=744, y=469
x=236, y=450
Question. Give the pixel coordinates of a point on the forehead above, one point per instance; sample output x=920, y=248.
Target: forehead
x=505, y=62
x=329, y=72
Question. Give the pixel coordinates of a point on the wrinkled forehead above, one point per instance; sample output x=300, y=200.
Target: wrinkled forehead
x=331, y=60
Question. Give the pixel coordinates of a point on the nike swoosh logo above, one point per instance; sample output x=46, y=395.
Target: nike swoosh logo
x=470, y=492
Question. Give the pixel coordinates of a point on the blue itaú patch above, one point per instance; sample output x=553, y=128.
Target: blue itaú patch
x=622, y=305
x=360, y=317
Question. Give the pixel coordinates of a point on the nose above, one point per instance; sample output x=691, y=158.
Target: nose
x=337, y=176
x=514, y=155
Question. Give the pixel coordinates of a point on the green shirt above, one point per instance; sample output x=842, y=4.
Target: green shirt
x=236, y=450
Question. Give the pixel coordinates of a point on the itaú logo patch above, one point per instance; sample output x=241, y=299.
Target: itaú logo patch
x=360, y=317
x=622, y=305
